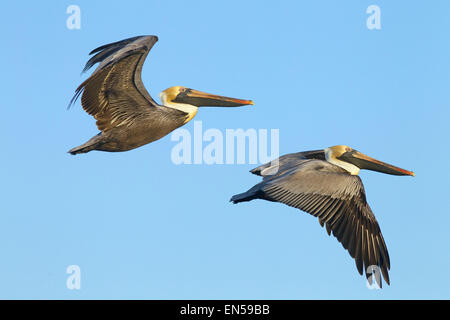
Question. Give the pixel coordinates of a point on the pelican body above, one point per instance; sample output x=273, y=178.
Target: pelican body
x=126, y=114
x=325, y=183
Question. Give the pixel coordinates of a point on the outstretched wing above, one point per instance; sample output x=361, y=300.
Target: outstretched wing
x=286, y=162
x=114, y=94
x=338, y=199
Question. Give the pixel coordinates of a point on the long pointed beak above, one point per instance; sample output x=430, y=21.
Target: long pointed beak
x=203, y=99
x=365, y=162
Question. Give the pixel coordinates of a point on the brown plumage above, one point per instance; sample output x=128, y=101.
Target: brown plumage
x=309, y=182
x=126, y=114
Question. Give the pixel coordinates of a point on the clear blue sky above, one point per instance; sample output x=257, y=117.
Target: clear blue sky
x=142, y=227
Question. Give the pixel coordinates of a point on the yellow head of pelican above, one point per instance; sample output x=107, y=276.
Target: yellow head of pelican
x=187, y=96
x=353, y=160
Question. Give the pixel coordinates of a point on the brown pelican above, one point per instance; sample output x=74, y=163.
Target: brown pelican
x=325, y=184
x=126, y=114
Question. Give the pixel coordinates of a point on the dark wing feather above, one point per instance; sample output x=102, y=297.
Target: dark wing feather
x=287, y=162
x=338, y=200
x=107, y=50
x=114, y=94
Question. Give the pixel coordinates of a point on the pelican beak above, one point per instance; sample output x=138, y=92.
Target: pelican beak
x=202, y=99
x=365, y=162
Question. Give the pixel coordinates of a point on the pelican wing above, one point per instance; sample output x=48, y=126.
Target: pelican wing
x=338, y=199
x=114, y=94
x=286, y=162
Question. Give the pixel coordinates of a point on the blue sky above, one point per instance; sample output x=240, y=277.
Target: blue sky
x=141, y=227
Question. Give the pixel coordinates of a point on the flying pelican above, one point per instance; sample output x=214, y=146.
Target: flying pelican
x=325, y=183
x=126, y=114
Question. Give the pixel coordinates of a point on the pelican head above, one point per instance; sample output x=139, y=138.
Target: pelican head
x=353, y=160
x=186, y=96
